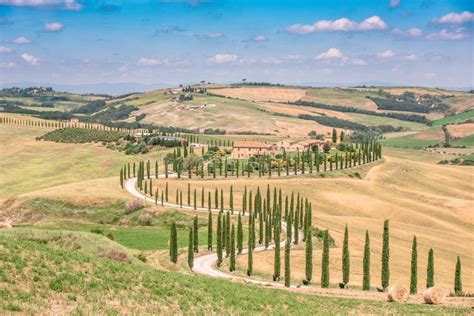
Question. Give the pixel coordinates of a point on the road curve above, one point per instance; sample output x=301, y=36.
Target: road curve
x=206, y=264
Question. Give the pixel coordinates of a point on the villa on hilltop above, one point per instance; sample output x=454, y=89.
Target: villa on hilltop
x=246, y=149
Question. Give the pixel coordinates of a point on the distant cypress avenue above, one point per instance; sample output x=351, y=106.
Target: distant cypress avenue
x=173, y=243
x=414, y=268
x=385, y=256
x=366, y=263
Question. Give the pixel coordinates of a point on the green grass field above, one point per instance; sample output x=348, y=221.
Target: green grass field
x=457, y=118
x=371, y=120
x=33, y=272
x=408, y=141
x=467, y=141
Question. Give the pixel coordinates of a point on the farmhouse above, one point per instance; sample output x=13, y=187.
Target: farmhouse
x=247, y=149
x=291, y=145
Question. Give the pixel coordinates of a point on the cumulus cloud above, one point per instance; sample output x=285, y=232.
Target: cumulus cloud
x=32, y=60
x=456, y=18
x=385, y=55
x=4, y=50
x=7, y=65
x=373, y=23
x=332, y=53
x=259, y=38
x=410, y=33
x=223, y=59
x=21, y=40
x=445, y=35
x=65, y=4
x=149, y=62
x=394, y=3
x=53, y=27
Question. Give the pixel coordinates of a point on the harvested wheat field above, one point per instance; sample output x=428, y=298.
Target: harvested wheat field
x=461, y=130
x=258, y=94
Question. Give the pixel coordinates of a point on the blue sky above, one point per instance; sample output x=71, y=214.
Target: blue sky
x=424, y=42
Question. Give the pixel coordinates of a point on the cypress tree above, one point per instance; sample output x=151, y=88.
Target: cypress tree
x=219, y=239
x=276, y=261
x=189, y=194
x=385, y=256
x=190, y=248
x=325, y=262
x=244, y=201
x=227, y=235
x=209, y=231
x=166, y=192
x=250, y=250
x=309, y=255
x=430, y=269
x=202, y=197
x=216, y=199
x=345, y=258
x=196, y=234
x=296, y=227
x=287, y=263
x=222, y=200
x=240, y=235
x=414, y=268
x=232, y=249
x=209, y=200
x=366, y=263
x=231, y=200
x=121, y=178
x=173, y=243
x=260, y=229
x=195, y=199
x=457, y=278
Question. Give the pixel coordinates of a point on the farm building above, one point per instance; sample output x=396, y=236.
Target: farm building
x=291, y=145
x=247, y=149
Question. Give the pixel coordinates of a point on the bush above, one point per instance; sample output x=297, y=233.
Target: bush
x=133, y=206
x=115, y=254
x=145, y=219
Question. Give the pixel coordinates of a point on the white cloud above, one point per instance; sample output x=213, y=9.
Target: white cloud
x=53, y=27
x=223, y=58
x=21, y=40
x=32, y=60
x=7, y=65
x=4, y=50
x=385, y=55
x=456, y=18
x=411, y=57
x=394, y=3
x=149, y=62
x=445, y=35
x=414, y=32
x=260, y=38
x=332, y=53
x=343, y=24
x=65, y=4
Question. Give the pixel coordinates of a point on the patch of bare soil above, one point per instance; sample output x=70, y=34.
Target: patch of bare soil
x=461, y=130
x=263, y=93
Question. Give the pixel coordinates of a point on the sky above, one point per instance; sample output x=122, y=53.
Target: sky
x=410, y=42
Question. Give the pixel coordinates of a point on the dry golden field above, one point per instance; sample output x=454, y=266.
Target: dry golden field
x=259, y=94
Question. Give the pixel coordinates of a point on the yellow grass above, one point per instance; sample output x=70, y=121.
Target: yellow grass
x=256, y=94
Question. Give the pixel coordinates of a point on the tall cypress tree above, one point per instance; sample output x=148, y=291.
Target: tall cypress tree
x=190, y=248
x=173, y=243
x=309, y=255
x=325, y=261
x=385, y=256
x=240, y=235
x=121, y=178
x=227, y=235
x=414, y=268
x=276, y=261
x=430, y=270
x=209, y=231
x=457, y=278
x=232, y=249
x=345, y=258
x=250, y=250
x=231, y=200
x=296, y=228
x=196, y=234
x=366, y=263
x=287, y=262
x=219, y=239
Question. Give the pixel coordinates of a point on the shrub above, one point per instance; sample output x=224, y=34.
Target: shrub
x=115, y=254
x=133, y=206
x=145, y=219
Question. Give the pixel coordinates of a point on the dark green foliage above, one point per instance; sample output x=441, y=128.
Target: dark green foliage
x=414, y=268
x=287, y=263
x=430, y=269
x=190, y=248
x=457, y=278
x=366, y=263
x=276, y=261
x=240, y=235
x=232, y=249
x=309, y=255
x=219, y=240
x=250, y=250
x=209, y=231
x=345, y=258
x=81, y=135
x=196, y=234
x=173, y=243
x=325, y=262
x=385, y=255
